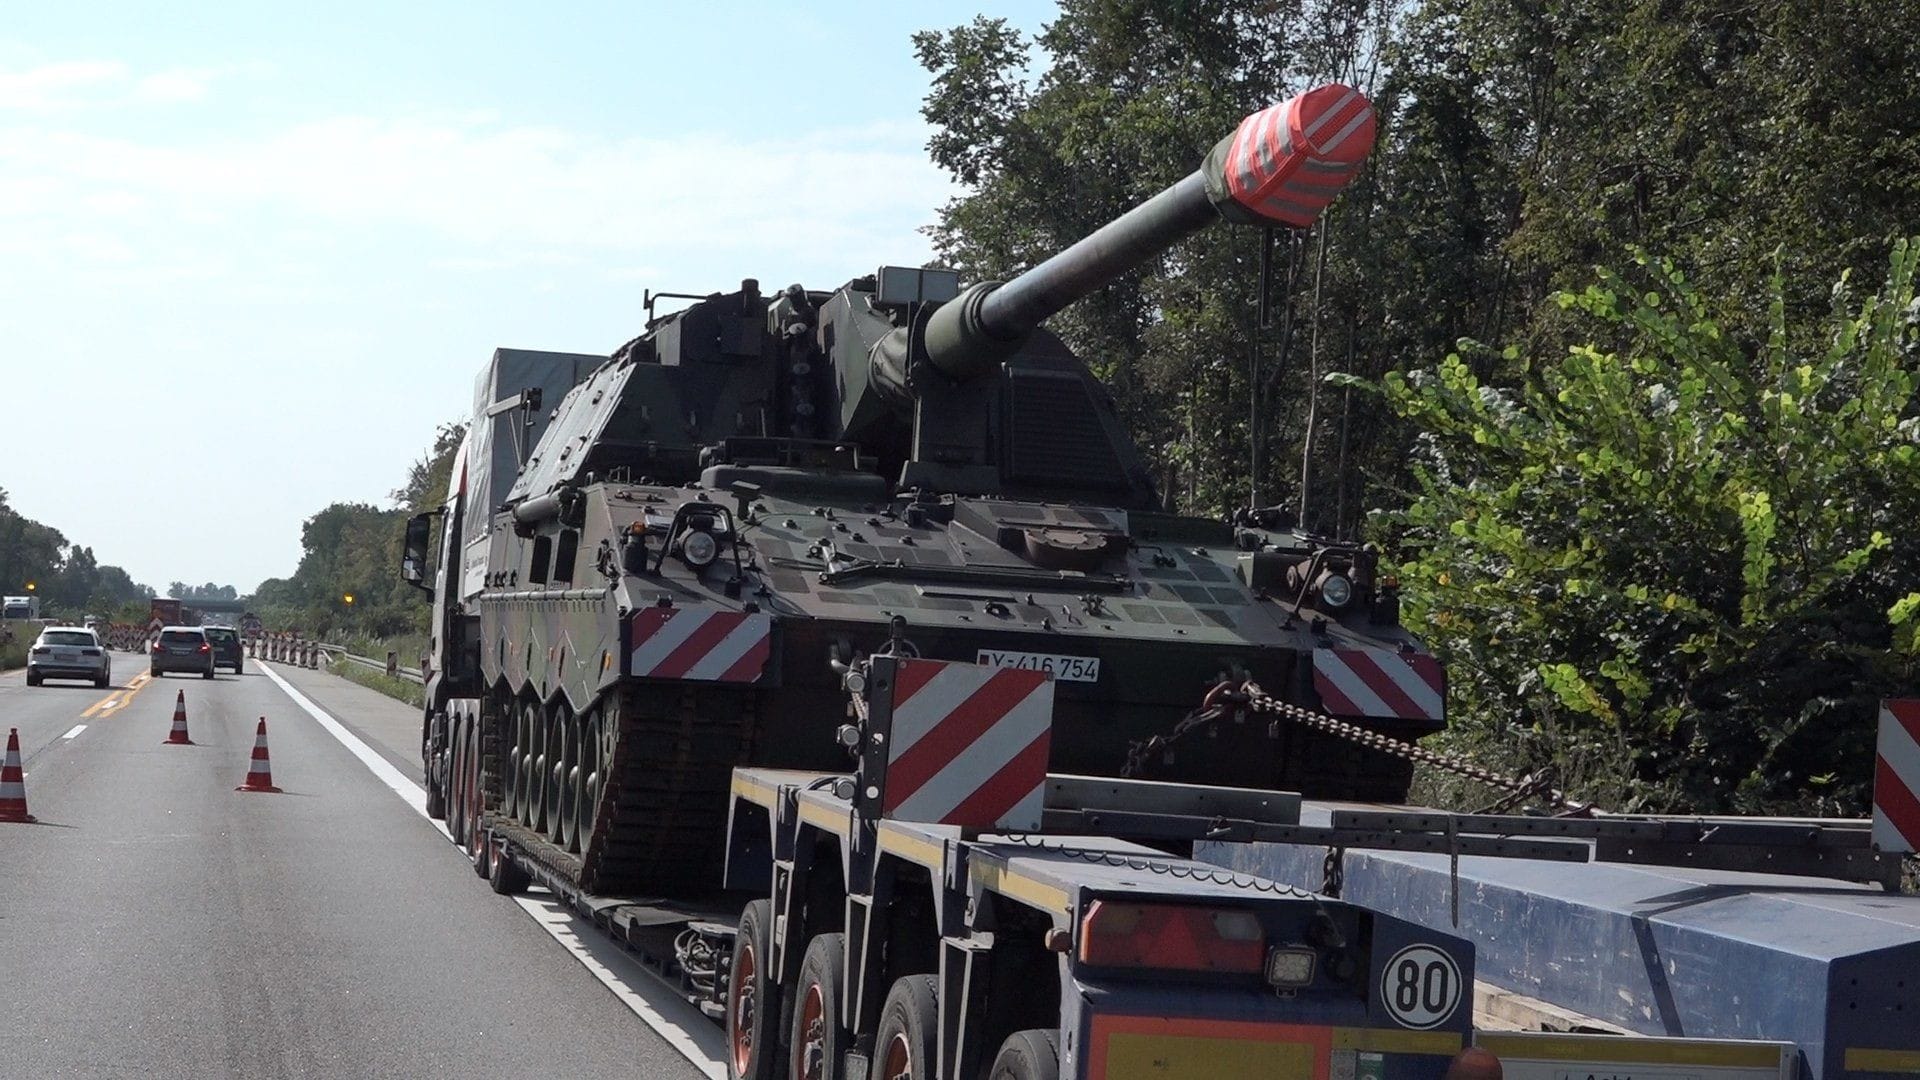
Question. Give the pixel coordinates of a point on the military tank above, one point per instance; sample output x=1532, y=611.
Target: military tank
x=659, y=564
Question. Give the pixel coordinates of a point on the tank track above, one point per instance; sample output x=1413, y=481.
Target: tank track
x=661, y=817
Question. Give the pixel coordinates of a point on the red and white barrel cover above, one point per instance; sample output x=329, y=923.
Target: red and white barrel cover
x=1896, y=777
x=969, y=746
x=1287, y=162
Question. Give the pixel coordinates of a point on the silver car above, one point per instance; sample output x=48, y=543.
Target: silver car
x=182, y=648
x=68, y=652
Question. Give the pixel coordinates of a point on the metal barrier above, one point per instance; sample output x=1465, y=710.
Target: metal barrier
x=288, y=649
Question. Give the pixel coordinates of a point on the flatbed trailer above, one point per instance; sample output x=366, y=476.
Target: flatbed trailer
x=1063, y=932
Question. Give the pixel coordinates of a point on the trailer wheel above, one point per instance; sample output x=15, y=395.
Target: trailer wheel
x=477, y=845
x=817, y=1037
x=456, y=801
x=753, y=997
x=909, y=1024
x=1028, y=1055
x=503, y=875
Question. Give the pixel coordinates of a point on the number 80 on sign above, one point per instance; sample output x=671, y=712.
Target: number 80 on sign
x=1420, y=987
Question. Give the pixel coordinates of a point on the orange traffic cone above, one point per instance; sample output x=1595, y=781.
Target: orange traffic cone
x=13, y=784
x=178, y=736
x=260, y=773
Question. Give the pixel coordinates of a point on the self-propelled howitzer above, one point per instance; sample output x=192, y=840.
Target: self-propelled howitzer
x=668, y=572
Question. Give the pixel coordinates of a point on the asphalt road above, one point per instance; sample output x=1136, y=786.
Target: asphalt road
x=156, y=922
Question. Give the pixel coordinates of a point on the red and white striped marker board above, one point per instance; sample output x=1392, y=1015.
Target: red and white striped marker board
x=1896, y=777
x=1380, y=683
x=699, y=644
x=966, y=744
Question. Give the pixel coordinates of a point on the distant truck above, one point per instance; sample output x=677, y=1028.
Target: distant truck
x=20, y=607
x=169, y=611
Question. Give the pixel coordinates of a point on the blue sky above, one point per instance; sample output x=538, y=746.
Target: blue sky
x=284, y=244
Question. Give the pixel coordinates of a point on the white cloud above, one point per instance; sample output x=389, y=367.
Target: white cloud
x=169, y=87
x=521, y=193
x=96, y=84
x=55, y=86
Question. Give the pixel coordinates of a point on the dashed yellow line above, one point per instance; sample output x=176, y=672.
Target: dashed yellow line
x=119, y=698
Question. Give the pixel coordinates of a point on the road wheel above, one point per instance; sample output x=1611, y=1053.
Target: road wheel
x=815, y=1041
x=909, y=1024
x=207, y=674
x=103, y=682
x=587, y=803
x=555, y=762
x=517, y=761
x=33, y=677
x=569, y=831
x=753, y=997
x=1027, y=1055
x=239, y=668
x=535, y=817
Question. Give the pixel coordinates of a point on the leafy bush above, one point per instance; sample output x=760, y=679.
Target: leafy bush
x=1678, y=571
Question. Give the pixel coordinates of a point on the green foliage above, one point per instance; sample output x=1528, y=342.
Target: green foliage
x=1682, y=558
x=398, y=689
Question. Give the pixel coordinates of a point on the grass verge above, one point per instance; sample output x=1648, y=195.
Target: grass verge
x=398, y=689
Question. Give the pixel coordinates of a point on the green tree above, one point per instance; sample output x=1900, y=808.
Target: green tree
x=1670, y=565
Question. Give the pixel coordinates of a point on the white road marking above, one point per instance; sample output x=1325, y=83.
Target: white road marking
x=77, y=729
x=684, y=1027
x=658, y=1005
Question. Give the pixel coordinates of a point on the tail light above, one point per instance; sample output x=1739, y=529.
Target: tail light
x=1172, y=937
x=41, y=651
x=204, y=647
x=89, y=652
x=156, y=646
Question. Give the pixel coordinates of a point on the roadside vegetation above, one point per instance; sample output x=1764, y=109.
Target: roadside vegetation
x=398, y=689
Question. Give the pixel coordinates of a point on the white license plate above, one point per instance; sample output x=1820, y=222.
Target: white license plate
x=1064, y=668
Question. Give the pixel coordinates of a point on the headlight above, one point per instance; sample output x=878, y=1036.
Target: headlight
x=1335, y=590
x=699, y=549
x=1289, y=969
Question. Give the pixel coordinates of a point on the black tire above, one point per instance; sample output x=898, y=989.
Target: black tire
x=817, y=1039
x=909, y=1030
x=503, y=875
x=753, y=1002
x=1028, y=1055
x=154, y=673
x=207, y=674
x=238, y=668
x=33, y=677
x=102, y=682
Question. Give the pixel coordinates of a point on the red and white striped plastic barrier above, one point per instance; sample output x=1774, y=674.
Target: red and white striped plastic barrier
x=968, y=745
x=1896, y=777
x=1380, y=684
x=702, y=645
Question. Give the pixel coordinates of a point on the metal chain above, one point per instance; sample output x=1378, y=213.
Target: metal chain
x=1250, y=695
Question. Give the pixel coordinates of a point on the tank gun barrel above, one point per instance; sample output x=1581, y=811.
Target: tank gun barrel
x=1282, y=165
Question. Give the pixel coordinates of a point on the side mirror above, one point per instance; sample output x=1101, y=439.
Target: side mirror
x=416, y=551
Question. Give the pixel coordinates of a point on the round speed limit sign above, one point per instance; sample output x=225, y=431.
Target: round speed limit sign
x=1421, y=986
